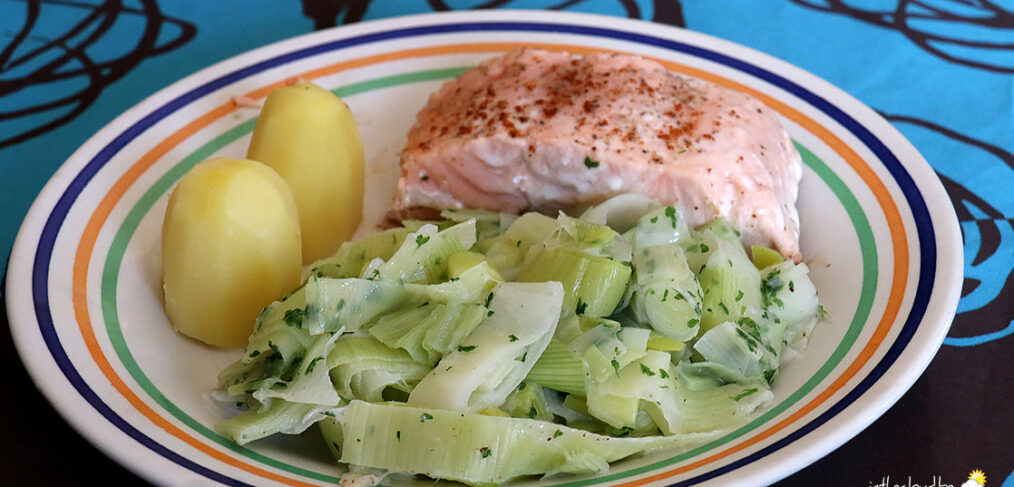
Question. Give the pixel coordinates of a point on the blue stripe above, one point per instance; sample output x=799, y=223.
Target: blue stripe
x=927, y=246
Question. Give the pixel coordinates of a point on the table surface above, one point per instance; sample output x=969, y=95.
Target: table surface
x=942, y=71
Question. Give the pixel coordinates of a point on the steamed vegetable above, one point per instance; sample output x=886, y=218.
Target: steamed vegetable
x=230, y=246
x=480, y=449
x=497, y=356
x=308, y=135
x=417, y=351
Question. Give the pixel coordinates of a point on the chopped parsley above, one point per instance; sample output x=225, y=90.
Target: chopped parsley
x=313, y=363
x=750, y=342
x=581, y=306
x=523, y=357
x=739, y=295
x=770, y=287
x=745, y=393
x=557, y=434
x=532, y=413
x=421, y=239
x=725, y=309
x=663, y=374
x=489, y=299
x=294, y=317
x=692, y=322
x=424, y=417
x=616, y=366
x=821, y=312
x=424, y=304
x=513, y=338
x=750, y=326
x=254, y=353
x=485, y=452
x=670, y=212
x=397, y=434
x=589, y=163
x=646, y=371
x=466, y=348
x=624, y=431
x=489, y=313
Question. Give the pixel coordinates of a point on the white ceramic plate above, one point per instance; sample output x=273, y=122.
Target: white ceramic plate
x=84, y=292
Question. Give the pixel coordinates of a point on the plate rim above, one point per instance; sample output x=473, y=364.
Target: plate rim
x=66, y=171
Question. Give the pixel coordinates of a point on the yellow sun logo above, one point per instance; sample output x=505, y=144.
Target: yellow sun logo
x=978, y=476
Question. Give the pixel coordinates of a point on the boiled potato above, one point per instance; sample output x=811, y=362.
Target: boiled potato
x=230, y=246
x=308, y=135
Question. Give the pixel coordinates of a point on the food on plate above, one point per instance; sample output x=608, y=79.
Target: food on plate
x=539, y=130
x=230, y=246
x=480, y=341
x=308, y=135
x=482, y=346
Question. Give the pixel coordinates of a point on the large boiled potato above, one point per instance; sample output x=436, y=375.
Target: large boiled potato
x=308, y=135
x=230, y=246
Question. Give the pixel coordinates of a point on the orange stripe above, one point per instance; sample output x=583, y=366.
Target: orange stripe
x=105, y=207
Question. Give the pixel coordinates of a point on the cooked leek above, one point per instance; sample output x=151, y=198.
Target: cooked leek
x=362, y=367
x=352, y=257
x=593, y=286
x=730, y=284
x=429, y=331
x=559, y=368
x=479, y=449
x=423, y=256
x=659, y=336
x=498, y=355
x=333, y=304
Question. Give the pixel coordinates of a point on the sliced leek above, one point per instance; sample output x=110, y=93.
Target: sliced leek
x=481, y=449
x=416, y=351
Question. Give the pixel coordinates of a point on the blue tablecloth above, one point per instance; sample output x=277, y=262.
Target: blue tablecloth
x=941, y=70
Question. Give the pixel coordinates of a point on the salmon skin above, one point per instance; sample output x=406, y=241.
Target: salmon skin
x=545, y=131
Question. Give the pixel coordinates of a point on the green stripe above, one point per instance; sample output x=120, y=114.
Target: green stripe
x=161, y=187
x=399, y=79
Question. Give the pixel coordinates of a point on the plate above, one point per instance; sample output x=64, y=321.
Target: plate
x=84, y=290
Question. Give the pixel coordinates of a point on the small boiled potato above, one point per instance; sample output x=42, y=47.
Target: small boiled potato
x=230, y=246
x=308, y=135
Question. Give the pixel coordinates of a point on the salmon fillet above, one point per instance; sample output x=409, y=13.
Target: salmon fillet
x=544, y=131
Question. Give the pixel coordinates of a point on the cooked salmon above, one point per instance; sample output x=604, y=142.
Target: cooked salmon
x=540, y=130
